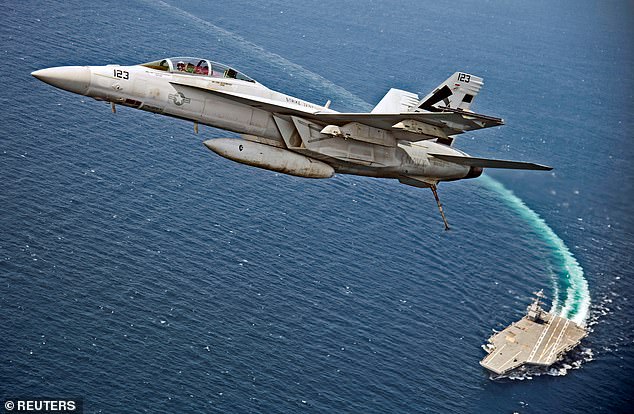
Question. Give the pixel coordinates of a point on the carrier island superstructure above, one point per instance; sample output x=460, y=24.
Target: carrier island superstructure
x=538, y=339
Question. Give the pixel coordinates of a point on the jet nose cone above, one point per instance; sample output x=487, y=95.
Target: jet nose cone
x=70, y=78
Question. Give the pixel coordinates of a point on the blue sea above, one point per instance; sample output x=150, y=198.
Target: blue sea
x=144, y=274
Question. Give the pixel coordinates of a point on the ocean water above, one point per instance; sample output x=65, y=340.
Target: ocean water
x=143, y=273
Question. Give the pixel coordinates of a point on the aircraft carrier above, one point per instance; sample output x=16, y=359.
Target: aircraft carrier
x=538, y=339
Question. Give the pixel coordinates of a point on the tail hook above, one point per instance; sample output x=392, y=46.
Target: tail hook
x=433, y=190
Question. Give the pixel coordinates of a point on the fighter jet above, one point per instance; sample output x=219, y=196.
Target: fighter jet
x=404, y=137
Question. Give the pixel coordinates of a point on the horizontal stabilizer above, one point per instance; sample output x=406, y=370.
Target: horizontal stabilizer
x=489, y=163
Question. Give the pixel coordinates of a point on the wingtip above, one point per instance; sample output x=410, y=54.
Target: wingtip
x=541, y=167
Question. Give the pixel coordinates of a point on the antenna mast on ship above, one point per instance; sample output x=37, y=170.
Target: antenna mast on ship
x=534, y=311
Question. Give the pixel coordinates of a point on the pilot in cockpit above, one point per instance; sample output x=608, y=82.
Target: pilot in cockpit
x=180, y=66
x=202, y=70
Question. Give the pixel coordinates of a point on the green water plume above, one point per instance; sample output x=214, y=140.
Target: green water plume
x=571, y=296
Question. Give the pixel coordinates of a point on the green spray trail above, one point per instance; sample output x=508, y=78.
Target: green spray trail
x=571, y=297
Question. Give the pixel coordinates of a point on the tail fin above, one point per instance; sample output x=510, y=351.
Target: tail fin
x=457, y=92
x=396, y=101
x=491, y=163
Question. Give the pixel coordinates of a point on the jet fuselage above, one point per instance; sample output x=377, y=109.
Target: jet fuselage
x=185, y=96
x=404, y=137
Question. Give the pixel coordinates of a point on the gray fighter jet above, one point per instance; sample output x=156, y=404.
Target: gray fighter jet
x=403, y=137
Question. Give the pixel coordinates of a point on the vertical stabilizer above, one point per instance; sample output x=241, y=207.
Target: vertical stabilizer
x=457, y=92
x=396, y=101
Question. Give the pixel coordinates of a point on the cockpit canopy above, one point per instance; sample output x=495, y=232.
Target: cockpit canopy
x=197, y=67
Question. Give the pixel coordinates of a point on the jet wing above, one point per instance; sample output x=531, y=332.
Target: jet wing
x=450, y=121
x=252, y=101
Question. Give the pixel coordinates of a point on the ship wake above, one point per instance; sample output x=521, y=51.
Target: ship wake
x=571, y=296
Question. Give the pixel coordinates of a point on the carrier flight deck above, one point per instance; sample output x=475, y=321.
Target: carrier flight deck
x=540, y=338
